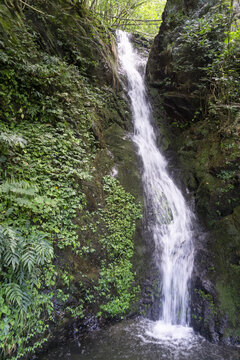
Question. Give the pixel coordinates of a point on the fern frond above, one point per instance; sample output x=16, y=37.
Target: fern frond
x=44, y=250
x=11, y=236
x=20, y=276
x=14, y=293
x=23, y=203
x=11, y=259
x=21, y=258
x=17, y=296
x=12, y=140
x=29, y=258
x=9, y=249
x=19, y=188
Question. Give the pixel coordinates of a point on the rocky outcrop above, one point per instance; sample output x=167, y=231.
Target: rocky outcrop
x=199, y=130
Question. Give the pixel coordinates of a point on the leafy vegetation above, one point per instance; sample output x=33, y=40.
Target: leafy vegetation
x=63, y=251
x=116, y=271
x=214, y=37
x=138, y=16
x=149, y=10
x=22, y=256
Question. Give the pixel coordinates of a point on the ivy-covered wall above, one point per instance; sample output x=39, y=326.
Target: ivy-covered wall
x=67, y=226
x=193, y=74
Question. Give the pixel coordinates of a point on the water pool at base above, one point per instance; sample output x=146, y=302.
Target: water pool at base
x=143, y=340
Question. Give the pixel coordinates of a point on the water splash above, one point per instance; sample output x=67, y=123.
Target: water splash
x=170, y=217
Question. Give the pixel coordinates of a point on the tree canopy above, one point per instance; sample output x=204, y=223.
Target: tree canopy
x=142, y=16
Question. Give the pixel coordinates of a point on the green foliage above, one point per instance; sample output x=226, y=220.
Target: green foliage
x=224, y=72
x=107, y=242
x=205, y=53
x=215, y=38
x=119, y=215
x=42, y=205
x=11, y=140
x=114, y=10
x=21, y=258
x=50, y=132
x=202, y=36
x=149, y=10
x=130, y=15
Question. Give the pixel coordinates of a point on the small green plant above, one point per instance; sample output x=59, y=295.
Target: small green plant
x=209, y=299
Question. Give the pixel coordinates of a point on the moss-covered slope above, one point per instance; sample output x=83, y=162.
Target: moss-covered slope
x=67, y=226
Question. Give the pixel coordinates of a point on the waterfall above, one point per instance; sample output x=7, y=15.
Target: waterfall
x=170, y=216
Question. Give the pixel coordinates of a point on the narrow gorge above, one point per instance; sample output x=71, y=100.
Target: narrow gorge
x=119, y=183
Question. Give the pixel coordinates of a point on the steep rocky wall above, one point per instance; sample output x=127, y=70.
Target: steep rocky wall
x=198, y=116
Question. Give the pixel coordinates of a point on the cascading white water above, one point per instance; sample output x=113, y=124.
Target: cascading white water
x=171, y=218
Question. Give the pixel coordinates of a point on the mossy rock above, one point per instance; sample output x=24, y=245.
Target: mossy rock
x=125, y=159
x=225, y=249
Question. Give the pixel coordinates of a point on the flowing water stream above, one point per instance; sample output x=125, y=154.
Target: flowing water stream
x=170, y=221
x=170, y=216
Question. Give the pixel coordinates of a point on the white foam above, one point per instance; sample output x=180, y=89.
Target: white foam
x=163, y=331
x=114, y=172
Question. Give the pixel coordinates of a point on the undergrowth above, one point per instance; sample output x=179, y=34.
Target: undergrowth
x=53, y=246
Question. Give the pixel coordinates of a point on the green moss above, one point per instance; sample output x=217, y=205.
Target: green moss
x=229, y=306
x=226, y=261
x=125, y=159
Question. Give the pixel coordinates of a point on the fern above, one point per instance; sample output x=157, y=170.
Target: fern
x=9, y=140
x=43, y=249
x=24, y=195
x=17, y=296
x=11, y=259
x=12, y=237
x=20, y=188
x=9, y=252
x=20, y=261
x=28, y=258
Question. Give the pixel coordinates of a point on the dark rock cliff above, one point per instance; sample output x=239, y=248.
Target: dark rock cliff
x=191, y=72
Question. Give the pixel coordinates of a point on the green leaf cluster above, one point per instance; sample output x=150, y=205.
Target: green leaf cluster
x=21, y=259
x=130, y=15
x=116, y=280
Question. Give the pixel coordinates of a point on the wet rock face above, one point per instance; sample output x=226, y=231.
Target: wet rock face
x=204, y=147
